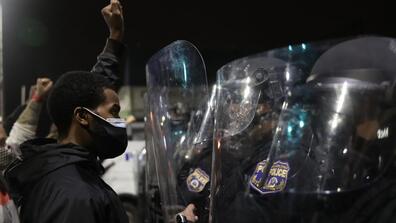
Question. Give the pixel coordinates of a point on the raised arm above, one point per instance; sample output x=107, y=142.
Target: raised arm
x=108, y=62
x=25, y=127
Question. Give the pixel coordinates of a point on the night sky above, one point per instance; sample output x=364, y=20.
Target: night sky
x=49, y=37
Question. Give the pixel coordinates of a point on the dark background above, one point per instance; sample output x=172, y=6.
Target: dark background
x=49, y=37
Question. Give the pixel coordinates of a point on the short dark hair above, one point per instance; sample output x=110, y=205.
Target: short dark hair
x=75, y=89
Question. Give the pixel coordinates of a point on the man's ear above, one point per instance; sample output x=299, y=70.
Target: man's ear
x=81, y=116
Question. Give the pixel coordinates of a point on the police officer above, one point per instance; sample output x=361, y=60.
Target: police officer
x=331, y=158
x=251, y=121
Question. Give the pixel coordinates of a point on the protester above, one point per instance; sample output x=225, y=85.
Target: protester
x=25, y=126
x=59, y=181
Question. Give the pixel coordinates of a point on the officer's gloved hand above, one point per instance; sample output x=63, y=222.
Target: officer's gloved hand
x=187, y=215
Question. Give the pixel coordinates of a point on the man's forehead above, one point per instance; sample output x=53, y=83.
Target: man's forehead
x=111, y=96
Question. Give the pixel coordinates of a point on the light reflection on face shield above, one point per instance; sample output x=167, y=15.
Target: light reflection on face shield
x=252, y=110
x=329, y=137
x=257, y=134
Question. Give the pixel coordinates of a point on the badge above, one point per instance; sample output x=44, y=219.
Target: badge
x=276, y=180
x=197, y=180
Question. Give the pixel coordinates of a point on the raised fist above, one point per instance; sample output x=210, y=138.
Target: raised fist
x=42, y=88
x=114, y=18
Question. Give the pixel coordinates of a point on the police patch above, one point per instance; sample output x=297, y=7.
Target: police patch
x=276, y=180
x=197, y=180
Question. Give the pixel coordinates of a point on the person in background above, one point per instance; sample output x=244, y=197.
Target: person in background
x=59, y=181
x=25, y=126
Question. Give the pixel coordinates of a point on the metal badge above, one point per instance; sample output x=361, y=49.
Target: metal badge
x=276, y=180
x=197, y=180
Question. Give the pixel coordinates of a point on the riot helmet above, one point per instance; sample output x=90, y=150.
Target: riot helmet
x=336, y=131
x=251, y=95
x=332, y=152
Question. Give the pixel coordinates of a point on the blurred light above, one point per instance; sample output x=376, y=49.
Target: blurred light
x=185, y=72
x=345, y=151
x=284, y=106
x=341, y=98
x=142, y=155
x=218, y=144
x=383, y=133
x=334, y=122
x=289, y=129
x=301, y=124
x=290, y=48
x=164, y=140
x=246, y=93
x=304, y=47
x=163, y=118
x=340, y=104
x=182, y=139
x=287, y=76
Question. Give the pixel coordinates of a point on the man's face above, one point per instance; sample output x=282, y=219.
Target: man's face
x=110, y=108
x=101, y=130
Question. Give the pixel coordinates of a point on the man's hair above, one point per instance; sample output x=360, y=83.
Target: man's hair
x=75, y=89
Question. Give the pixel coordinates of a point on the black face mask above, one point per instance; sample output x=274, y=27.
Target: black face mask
x=109, y=136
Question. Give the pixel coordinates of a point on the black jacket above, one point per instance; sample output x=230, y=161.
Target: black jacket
x=109, y=62
x=61, y=183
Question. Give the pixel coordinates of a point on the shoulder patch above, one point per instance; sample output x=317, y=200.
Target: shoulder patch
x=276, y=180
x=197, y=180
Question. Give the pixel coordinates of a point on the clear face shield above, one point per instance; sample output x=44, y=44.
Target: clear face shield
x=252, y=91
x=331, y=137
x=333, y=140
x=177, y=87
